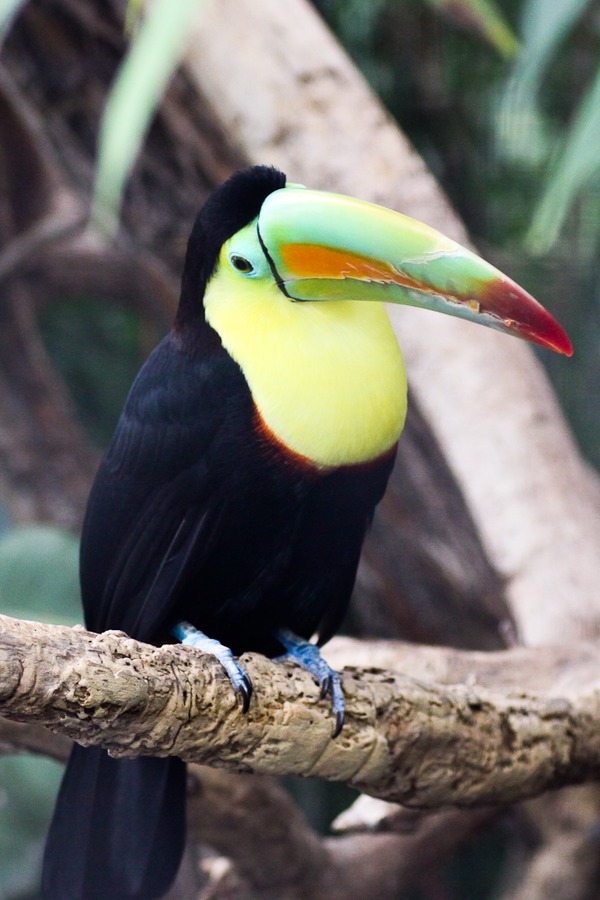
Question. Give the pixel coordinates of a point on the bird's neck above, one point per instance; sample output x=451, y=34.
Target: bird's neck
x=327, y=378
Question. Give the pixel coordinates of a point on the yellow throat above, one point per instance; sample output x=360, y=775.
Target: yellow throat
x=326, y=377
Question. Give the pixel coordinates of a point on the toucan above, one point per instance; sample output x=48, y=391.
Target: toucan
x=230, y=508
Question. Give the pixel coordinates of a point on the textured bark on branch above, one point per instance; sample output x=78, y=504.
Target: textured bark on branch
x=409, y=741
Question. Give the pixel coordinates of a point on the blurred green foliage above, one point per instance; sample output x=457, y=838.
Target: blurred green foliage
x=39, y=579
x=159, y=38
x=97, y=347
x=28, y=788
x=566, y=144
x=8, y=11
x=484, y=19
x=39, y=574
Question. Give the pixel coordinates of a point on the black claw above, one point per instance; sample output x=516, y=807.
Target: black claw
x=308, y=656
x=245, y=698
x=325, y=687
x=339, y=723
x=245, y=689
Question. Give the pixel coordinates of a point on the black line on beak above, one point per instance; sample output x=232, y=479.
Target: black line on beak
x=278, y=279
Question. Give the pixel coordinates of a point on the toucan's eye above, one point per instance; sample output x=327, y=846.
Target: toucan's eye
x=242, y=264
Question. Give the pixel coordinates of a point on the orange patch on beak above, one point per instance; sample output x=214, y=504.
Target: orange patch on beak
x=315, y=261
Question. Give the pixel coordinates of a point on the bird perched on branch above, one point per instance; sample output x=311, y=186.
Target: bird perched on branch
x=231, y=506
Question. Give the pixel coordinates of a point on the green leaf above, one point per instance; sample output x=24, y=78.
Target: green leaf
x=39, y=574
x=578, y=162
x=133, y=16
x=484, y=19
x=522, y=132
x=139, y=85
x=544, y=25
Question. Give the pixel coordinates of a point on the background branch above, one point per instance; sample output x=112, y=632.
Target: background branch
x=303, y=865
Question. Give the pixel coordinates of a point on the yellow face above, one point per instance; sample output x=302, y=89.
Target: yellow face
x=326, y=377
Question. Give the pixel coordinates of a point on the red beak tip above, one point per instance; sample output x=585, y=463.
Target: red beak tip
x=559, y=341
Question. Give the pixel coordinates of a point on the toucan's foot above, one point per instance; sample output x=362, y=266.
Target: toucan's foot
x=309, y=657
x=193, y=637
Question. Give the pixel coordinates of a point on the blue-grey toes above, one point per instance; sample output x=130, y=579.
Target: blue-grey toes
x=193, y=637
x=309, y=657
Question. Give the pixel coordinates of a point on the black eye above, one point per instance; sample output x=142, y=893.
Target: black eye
x=242, y=264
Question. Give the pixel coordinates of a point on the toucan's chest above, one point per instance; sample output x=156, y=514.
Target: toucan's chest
x=327, y=379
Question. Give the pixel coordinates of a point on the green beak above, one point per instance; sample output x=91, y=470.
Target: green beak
x=325, y=246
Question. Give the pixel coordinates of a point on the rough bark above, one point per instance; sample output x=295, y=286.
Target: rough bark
x=415, y=742
x=239, y=815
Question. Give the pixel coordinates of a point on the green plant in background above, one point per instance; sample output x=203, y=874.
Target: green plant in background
x=8, y=11
x=39, y=579
x=159, y=37
x=542, y=109
x=97, y=347
x=544, y=25
x=158, y=40
x=523, y=130
x=28, y=788
x=39, y=574
x=530, y=131
x=482, y=18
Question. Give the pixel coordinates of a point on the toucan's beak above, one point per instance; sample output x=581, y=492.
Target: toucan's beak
x=325, y=246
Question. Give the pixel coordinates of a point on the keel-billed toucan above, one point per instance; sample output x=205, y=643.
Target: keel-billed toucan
x=252, y=450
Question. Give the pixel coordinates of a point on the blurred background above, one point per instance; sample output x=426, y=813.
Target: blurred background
x=503, y=102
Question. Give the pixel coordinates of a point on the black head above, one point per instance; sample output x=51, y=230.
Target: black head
x=229, y=208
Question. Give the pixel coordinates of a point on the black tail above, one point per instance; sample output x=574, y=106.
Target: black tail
x=118, y=830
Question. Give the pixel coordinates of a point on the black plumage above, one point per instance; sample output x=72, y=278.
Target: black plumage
x=197, y=514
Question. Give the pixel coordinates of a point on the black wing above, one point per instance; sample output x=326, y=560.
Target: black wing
x=151, y=509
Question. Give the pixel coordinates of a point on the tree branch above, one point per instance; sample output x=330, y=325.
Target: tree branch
x=300, y=864
x=419, y=743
